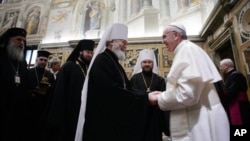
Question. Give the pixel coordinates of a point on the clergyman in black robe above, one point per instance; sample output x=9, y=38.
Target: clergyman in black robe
x=145, y=78
x=41, y=83
x=13, y=85
x=66, y=101
x=113, y=110
x=235, y=97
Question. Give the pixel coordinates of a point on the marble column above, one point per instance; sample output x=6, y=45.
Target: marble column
x=122, y=15
x=147, y=3
x=165, y=15
x=164, y=9
x=135, y=7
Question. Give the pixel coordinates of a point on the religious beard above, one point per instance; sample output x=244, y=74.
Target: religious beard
x=117, y=51
x=147, y=72
x=15, y=52
x=85, y=60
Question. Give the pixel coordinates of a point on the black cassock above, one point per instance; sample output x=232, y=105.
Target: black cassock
x=236, y=94
x=38, y=103
x=66, y=102
x=13, y=99
x=114, y=112
x=157, y=121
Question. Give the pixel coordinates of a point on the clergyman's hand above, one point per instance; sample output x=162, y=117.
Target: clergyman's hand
x=153, y=97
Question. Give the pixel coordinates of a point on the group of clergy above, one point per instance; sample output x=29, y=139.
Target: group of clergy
x=92, y=98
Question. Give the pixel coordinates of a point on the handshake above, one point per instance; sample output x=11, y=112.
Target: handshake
x=153, y=97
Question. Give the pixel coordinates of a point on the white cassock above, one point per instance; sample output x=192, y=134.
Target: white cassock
x=196, y=111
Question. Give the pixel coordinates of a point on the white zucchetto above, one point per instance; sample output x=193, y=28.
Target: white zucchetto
x=178, y=25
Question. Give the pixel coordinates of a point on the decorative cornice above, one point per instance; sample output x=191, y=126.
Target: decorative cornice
x=215, y=20
x=220, y=40
x=144, y=40
x=228, y=22
x=54, y=45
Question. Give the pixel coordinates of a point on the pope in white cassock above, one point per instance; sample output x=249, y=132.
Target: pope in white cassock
x=196, y=111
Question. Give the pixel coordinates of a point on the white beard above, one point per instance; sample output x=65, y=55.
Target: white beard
x=15, y=52
x=117, y=51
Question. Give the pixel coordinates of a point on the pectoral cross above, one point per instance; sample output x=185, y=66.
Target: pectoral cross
x=124, y=86
x=148, y=90
x=17, y=79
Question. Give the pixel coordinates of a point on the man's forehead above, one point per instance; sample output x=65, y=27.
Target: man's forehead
x=147, y=60
x=42, y=57
x=120, y=40
x=18, y=37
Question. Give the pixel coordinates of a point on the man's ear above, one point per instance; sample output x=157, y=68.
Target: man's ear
x=176, y=35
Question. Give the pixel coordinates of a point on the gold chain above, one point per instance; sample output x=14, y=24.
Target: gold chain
x=15, y=70
x=148, y=88
x=84, y=74
x=16, y=77
x=37, y=76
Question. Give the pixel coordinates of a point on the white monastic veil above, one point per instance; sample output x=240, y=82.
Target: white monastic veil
x=113, y=31
x=143, y=55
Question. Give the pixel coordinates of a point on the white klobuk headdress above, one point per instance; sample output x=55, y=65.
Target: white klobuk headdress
x=113, y=31
x=145, y=54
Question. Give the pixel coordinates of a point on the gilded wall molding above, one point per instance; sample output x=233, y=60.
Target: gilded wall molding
x=220, y=39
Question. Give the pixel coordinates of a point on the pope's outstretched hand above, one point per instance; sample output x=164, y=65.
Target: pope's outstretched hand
x=153, y=97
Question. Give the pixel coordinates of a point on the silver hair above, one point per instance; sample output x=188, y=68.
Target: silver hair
x=116, y=50
x=54, y=61
x=178, y=30
x=228, y=62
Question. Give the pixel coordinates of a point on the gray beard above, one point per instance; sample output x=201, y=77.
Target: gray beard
x=15, y=52
x=120, y=54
